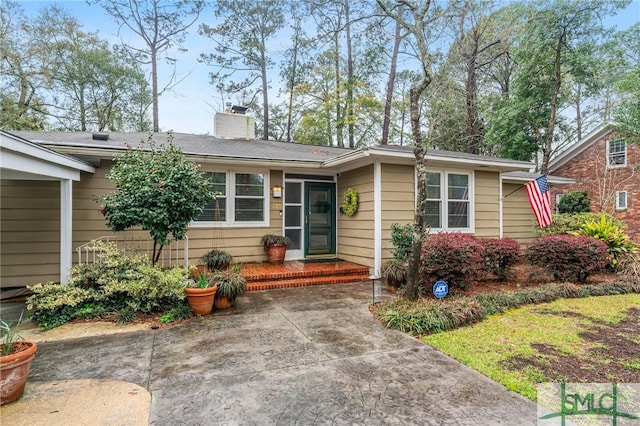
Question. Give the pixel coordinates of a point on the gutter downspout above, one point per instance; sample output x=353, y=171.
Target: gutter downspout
x=500, y=209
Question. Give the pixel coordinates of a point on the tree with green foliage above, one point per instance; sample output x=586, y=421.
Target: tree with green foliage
x=241, y=47
x=157, y=189
x=574, y=202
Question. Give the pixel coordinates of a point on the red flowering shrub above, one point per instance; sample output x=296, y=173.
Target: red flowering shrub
x=453, y=257
x=567, y=257
x=498, y=254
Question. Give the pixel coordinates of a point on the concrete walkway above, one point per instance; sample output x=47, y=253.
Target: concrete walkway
x=302, y=356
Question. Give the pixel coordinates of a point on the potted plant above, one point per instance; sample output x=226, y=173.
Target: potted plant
x=15, y=361
x=395, y=274
x=276, y=247
x=230, y=285
x=216, y=260
x=200, y=294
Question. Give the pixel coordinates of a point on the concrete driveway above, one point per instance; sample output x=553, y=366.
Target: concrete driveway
x=307, y=356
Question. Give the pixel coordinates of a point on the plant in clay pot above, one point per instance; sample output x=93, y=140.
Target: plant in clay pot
x=216, y=260
x=201, y=293
x=16, y=355
x=395, y=274
x=276, y=247
x=231, y=285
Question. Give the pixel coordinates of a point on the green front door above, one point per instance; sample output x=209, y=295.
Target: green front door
x=320, y=218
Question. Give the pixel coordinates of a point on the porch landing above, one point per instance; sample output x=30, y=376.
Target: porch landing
x=264, y=276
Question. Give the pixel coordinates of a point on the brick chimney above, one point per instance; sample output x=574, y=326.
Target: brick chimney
x=234, y=124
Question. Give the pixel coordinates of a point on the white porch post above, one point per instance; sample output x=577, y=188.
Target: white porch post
x=66, y=235
x=377, y=218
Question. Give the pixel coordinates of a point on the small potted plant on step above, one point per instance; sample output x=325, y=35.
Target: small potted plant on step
x=395, y=274
x=15, y=361
x=276, y=247
x=200, y=294
x=216, y=260
x=230, y=286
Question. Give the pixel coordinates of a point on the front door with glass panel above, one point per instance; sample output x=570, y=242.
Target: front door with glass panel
x=309, y=218
x=320, y=218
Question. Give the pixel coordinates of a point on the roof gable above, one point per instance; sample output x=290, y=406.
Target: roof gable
x=579, y=147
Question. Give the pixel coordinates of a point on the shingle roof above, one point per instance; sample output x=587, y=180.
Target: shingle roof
x=194, y=144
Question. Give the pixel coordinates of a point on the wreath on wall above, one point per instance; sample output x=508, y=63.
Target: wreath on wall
x=350, y=202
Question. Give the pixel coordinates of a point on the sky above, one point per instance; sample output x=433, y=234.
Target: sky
x=190, y=106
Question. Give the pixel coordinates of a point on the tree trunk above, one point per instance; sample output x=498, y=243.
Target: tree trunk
x=386, y=124
x=154, y=89
x=265, y=100
x=339, y=120
x=292, y=79
x=548, y=137
x=579, y=111
x=350, y=79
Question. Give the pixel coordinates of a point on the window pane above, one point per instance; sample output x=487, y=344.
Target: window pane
x=458, y=216
x=292, y=216
x=617, y=152
x=215, y=211
x=249, y=184
x=433, y=186
x=294, y=236
x=433, y=214
x=249, y=210
x=458, y=188
x=292, y=193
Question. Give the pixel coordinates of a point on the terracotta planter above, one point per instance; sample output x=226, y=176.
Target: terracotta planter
x=276, y=253
x=200, y=300
x=14, y=370
x=223, y=303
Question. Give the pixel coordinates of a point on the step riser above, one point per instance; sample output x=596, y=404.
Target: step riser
x=303, y=275
x=302, y=282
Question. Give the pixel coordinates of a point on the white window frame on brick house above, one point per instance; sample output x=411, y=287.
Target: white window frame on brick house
x=622, y=200
x=558, y=198
x=232, y=192
x=616, y=153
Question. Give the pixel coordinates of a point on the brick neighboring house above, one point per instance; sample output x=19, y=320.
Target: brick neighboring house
x=608, y=168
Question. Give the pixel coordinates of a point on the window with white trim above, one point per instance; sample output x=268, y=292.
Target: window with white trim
x=240, y=199
x=616, y=153
x=558, y=198
x=621, y=200
x=448, y=201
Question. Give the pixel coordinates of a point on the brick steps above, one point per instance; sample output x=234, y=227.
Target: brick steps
x=300, y=274
x=305, y=281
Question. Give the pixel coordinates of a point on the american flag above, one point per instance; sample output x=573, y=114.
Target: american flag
x=538, y=193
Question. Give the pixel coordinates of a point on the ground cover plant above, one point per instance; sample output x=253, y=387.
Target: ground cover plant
x=119, y=286
x=586, y=340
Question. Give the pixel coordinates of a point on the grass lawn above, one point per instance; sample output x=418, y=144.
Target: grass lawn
x=594, y=339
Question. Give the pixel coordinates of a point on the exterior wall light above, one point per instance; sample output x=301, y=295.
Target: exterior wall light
x=276, y=191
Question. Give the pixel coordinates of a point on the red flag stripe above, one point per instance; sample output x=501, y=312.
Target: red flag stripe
x=539, y=199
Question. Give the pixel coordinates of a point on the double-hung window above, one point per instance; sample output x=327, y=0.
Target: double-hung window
x=617, y=153
x=448, y=201
x=621, y=200
x=241, y=199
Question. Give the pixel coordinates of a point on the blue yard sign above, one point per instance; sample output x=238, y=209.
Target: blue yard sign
x=440, y=289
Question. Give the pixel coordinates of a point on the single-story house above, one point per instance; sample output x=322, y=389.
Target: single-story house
x=50, y=180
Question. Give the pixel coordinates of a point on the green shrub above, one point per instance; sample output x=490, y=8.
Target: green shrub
x=401, y=238
x=568, y=257
x=124, y=283
x=177, y=313
x=605, y=229
x=499, y=254
x=453, y=257
x=574, y=202
x=568, y=223
x=430, y=316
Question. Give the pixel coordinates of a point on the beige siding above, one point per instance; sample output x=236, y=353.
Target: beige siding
x=518, y=219
x=355, y=233
x=487, y=204
x=30, y=234
x=398, y=200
